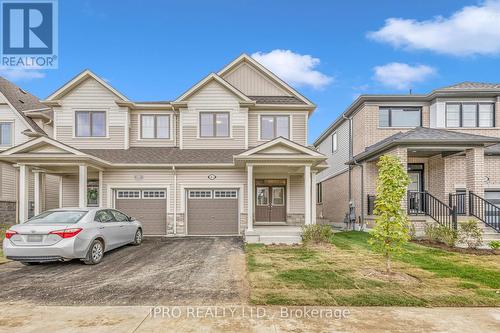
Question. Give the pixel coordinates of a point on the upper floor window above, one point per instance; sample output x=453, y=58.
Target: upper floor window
x=5, y=134
x=274, y=126
x=400, y=117
x=214, y=124
x=334, y=142
x=90, y=124
x=470, y=115
x=155, y=126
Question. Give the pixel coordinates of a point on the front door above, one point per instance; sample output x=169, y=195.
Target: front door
x=270, y=203
x=416, y=187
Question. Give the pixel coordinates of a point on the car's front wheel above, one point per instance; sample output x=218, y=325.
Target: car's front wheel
x=95, y=253
x=137, y=237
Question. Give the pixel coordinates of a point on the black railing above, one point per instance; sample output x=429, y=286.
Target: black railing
x=371, y=203
x=457, y=200
x=424, y=203
x=485, y=211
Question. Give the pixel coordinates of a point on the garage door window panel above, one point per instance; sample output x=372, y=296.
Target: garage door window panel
x=128, y=194
x=225, y=194
x=154, y=194
x=200, y=194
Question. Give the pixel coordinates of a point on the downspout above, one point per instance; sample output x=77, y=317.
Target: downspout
x=362, y=194
x=175, y=199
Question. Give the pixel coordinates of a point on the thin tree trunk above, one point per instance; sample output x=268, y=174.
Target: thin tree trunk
x=388, y=264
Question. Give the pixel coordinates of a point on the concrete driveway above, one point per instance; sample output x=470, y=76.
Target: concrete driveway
x=187, y=271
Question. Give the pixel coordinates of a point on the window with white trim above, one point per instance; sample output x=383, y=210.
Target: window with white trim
x=155, y=126
x=6, y=134
x=200, y=194
x=334, y=142
x=319, y=193
x=220, y=194
x=90, y=124
x=154, y=194
x=274, y=126
x=470, y=115
x=128, y=194
x=214, y=124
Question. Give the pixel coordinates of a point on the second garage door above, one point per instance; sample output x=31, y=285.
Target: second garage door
x=147, y=206
x=212, y=212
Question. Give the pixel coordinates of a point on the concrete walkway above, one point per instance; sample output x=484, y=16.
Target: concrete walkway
x=27, y=318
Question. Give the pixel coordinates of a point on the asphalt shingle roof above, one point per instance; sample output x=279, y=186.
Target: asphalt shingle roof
x=164, y=155
x=22, y=101
x=472, y=85
x=426, y=135
x=276, y=100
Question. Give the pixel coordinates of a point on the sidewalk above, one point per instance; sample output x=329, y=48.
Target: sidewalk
x=19, y=318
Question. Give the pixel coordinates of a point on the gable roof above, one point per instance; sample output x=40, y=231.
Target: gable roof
x=22, y=101
x=245, y=58
x=209, y=78
x=74, y=82
x=291, y=145
x=425, y=135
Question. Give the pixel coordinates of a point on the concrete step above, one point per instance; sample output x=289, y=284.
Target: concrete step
x=288, y=240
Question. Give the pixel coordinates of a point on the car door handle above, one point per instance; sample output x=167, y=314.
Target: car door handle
x=122, y=226
x=101, y=227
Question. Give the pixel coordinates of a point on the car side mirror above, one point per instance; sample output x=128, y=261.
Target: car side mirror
x=131, y=219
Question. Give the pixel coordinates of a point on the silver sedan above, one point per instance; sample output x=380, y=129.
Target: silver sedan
x=71, y=233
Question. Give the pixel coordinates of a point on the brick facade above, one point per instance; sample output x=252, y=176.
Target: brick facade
x=7, y=212
x=335, y=198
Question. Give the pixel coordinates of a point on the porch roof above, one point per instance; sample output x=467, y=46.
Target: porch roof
x=428, y=137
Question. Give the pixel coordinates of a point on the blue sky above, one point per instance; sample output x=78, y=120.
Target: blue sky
x=332, y=51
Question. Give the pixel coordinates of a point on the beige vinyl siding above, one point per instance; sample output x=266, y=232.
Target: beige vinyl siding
x=137, y=178
x=135, y=131
x=296, y=188
x=7, y=182
x=249, y=81
x=70, y=191
x=298, y=130
x=336, y=160
x=51, y=192
x=9, y=115
x=213, y=98
x=115, y=140
x=90, y=95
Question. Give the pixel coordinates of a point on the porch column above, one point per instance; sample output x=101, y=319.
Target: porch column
x=250, y=197
x=314, y=196
x=23, y=192
x=100, y=188
x=82, y=186
x=474, y=170
x=38, y=191
x=307, y=194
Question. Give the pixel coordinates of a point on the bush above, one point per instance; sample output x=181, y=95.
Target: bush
x=447, y=236
x=495, y=245
x=431, y=232
x=470, y=234
x=316, y=233
x=440, y=234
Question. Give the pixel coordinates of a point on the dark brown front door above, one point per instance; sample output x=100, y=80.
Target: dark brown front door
x=270, y=203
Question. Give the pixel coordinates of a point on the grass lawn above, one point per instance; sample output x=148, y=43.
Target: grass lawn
x=347, y=273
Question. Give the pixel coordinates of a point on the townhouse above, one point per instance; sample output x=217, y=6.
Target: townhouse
x=448, y=140
x=227, y=157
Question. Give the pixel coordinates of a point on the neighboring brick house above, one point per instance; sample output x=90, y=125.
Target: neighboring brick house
x=448, y=140
x=227, y=157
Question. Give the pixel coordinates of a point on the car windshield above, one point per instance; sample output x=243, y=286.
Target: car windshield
x=67, y=216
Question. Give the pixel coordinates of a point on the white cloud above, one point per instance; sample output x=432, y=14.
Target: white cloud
x=296, y=69
x=20, y=73
x=473, y=30
x=402, y=76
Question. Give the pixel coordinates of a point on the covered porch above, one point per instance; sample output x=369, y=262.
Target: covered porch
x=281, y=178
x=80, y=176
x=450, y=177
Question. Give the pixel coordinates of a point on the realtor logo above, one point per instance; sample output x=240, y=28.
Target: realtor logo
x=29, y=33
